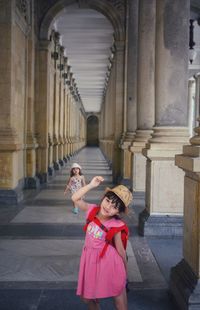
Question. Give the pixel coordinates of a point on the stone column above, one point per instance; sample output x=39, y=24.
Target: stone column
x=69, y=125
x=164, y=183
x=61, y=116
x=109, y=107
x=56, y=99
x=31, y=181
x=145, y=92
x=65, y=123
x=185, y=276
x=130, y=115
x=42, y=109
x=10, y=144
x=192, y=105
x=102, y=127
x=61, y=107
x=56, y=121
x=119, y=105
x=51, y=115
x=111, y=128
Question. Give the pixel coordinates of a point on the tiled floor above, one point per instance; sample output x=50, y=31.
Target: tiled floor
x=41, y=241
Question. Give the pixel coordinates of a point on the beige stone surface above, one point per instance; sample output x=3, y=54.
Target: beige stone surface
x=191, y=240
x=165, y=188
x=6, y=172
x=139, y=172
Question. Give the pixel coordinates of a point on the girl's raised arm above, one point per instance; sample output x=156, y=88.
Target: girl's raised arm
x=76, y=197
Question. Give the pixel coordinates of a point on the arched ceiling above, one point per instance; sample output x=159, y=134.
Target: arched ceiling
x=87, y=36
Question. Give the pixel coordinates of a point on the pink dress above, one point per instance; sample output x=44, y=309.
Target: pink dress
x=100, y=277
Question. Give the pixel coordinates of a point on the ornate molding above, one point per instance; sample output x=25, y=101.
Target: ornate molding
x=24, y=9
x=120, y=6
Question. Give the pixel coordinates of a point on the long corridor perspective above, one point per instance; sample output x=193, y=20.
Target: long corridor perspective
x=41, y=241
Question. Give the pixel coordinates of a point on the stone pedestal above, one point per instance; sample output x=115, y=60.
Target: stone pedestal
x=32, y=182
x=164, y=183
x=139, y=162
x=185, y=287
x=127, y=164
x=185, y=276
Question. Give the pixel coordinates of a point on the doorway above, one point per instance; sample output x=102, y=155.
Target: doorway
x=93, y=131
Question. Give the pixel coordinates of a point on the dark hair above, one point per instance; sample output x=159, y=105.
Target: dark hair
x=115, y=199
x=72, y=174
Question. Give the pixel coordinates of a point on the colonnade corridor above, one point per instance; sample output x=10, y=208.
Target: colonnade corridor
x=41, y=241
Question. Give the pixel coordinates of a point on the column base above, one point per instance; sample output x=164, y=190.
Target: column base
x=160, y=225
x=56, y=166
x=61, y=162
x=42, y=177
x=12, y=196
x=50, y=171
x=185, y=286
x=32, y=182
x=65, y=159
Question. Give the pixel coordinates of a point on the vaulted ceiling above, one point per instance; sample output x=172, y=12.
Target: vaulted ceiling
x=87, y=36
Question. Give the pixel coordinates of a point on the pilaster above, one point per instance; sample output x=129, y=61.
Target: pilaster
x=42, y=108
x=119, y=105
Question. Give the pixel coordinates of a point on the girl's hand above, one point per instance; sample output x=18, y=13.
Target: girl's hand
x=66, y=189
x=96, y=181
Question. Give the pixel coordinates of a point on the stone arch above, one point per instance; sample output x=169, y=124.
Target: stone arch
x=106, y=8
x=92, y=130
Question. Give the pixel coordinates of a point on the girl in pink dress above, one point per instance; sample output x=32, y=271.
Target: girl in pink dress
x=103, y=276
x=76, y=181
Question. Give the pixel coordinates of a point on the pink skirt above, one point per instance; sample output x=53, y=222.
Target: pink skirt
x=101, y=277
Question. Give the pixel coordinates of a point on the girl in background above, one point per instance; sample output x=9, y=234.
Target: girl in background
x=75, y=182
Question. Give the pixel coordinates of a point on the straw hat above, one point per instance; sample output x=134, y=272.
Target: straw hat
x=75, y=165
x=122, y=192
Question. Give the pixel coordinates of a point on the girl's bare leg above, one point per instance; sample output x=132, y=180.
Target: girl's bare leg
x=93, y=304
x=121, y=301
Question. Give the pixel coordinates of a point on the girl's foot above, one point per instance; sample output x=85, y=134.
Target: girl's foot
x=75, y=210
